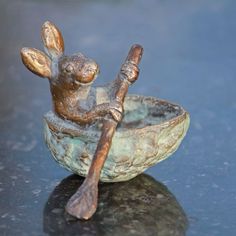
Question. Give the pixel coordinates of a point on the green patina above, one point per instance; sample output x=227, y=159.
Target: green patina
x=150, y=131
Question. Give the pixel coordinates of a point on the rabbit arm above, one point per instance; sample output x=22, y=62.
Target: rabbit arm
x=129, y=71
x=84, y=117
x=92, y=115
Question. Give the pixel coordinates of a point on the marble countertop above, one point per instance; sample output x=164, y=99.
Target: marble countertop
x=189, y=59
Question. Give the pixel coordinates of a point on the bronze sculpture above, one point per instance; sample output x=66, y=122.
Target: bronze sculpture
x=76, y=102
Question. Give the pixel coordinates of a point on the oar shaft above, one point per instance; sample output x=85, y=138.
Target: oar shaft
x=109, y=125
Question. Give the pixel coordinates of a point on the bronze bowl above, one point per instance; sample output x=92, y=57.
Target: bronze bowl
x=151, y=130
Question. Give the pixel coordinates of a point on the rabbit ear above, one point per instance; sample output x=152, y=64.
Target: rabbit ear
x=52, y=40
x=36, y=61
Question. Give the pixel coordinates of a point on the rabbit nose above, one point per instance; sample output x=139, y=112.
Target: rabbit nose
x=91, y=68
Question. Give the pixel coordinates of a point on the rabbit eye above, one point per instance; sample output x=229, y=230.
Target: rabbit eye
x=69, y=68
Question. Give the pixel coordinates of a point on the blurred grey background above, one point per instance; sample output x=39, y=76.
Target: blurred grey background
x=189, y=58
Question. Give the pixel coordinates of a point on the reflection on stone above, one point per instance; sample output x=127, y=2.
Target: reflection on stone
x=141, y=206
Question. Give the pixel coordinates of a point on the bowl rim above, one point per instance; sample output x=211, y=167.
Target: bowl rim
x=76, y=130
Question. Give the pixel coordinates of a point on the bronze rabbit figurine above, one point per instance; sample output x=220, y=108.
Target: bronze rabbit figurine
x=82, y=132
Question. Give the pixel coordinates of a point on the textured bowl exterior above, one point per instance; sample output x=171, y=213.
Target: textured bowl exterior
x=132, y=150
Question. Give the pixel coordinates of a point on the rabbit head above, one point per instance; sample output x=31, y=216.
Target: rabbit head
x=66, y=72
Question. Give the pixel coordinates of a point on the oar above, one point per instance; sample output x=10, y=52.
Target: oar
x=83, y=203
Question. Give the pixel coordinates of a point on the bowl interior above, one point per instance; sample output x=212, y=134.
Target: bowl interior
x=146, y=111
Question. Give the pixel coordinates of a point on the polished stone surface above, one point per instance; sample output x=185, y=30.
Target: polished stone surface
x=141, y=206
x=189, y=59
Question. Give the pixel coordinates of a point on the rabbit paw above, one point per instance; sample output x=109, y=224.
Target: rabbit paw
x=130, y=71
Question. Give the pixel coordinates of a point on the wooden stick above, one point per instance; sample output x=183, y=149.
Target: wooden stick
x=83, y=203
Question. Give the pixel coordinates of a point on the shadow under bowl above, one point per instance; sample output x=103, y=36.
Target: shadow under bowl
x=141, y=206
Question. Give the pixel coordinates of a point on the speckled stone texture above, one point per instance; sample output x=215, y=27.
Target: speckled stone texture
x=150, y=132
x=141, y=206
